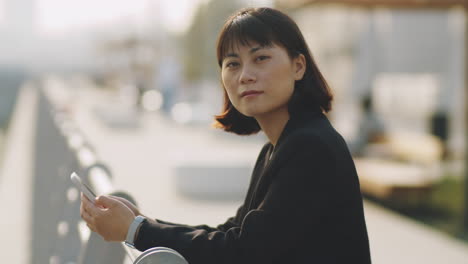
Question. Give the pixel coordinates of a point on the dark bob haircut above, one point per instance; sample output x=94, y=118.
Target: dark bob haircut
x=267, y=26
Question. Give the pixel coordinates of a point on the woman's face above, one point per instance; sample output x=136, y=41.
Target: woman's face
x=260, y=80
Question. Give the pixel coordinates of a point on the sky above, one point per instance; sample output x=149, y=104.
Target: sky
x=2, y=15
x=37, y=32
x=54, y=17
x=59, y=16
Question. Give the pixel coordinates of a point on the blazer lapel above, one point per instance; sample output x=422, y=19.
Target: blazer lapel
x=280, y=154
x=276, y=159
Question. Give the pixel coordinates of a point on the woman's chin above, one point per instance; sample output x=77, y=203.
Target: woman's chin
x=250, y=113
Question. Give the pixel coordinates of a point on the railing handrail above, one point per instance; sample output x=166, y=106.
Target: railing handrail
x=98, y=175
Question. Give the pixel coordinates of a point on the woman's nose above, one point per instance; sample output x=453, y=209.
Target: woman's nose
x=247, y=75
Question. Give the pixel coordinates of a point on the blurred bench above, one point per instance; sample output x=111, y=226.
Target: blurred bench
x=394, y=180
x=404, y=168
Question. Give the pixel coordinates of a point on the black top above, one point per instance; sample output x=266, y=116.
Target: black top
x=303, y=206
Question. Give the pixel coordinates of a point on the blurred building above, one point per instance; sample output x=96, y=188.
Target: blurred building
x=26, y=45
x=409, y=60
x=17, y=31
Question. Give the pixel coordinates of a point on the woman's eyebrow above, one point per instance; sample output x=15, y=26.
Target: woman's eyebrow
x=255, y=49
x=252, y=50
x=232, y=55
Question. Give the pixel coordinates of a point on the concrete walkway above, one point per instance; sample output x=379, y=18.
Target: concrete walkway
x=16, y=179
x=143, y=159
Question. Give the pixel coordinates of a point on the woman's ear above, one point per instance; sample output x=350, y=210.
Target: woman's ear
x=299, y=64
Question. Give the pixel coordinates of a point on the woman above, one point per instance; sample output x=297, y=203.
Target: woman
x=304, y=203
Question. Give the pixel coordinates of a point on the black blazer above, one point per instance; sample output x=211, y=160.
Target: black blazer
x=303, y=206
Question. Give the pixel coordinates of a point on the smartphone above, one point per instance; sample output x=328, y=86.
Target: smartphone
x=83, y=187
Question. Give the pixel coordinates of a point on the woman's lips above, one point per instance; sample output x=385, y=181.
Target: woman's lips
x=250, y=93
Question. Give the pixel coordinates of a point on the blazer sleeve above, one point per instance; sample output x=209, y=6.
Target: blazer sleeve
x=293, y=202
x=230, y=222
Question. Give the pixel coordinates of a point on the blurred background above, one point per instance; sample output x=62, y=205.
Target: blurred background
x=139, y=80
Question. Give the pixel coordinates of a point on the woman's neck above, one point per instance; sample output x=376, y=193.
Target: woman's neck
x=273, y=124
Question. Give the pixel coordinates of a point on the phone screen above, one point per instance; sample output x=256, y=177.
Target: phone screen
x=83, y=187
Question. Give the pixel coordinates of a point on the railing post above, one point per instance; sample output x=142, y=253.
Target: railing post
x=60, y=236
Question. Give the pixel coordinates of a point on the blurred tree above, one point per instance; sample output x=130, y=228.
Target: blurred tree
x=200, y=40
x=465, y=215
x=129, y=56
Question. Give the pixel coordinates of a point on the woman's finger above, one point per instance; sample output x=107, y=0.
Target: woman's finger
x=83, y=207
x=82, y=210
x=86, y=216
x=129, y=204
x=88, y=206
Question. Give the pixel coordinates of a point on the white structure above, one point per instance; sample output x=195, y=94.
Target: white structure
x=411, y=61
x=17, y=31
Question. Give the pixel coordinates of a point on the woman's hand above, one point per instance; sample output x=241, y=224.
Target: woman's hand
x=108, y=217
x=128, y=204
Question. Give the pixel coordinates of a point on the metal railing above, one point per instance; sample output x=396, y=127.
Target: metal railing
x=59, y=234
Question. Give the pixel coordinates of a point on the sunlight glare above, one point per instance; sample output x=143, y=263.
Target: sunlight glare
x=55, y=16
x=178, y=14
x=2, y=12
x=60, y=15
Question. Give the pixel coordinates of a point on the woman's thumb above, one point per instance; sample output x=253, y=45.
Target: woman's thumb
x=105, y=201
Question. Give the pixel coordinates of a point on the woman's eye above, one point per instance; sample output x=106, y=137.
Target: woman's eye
x=232, y=64
x=262, y=58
